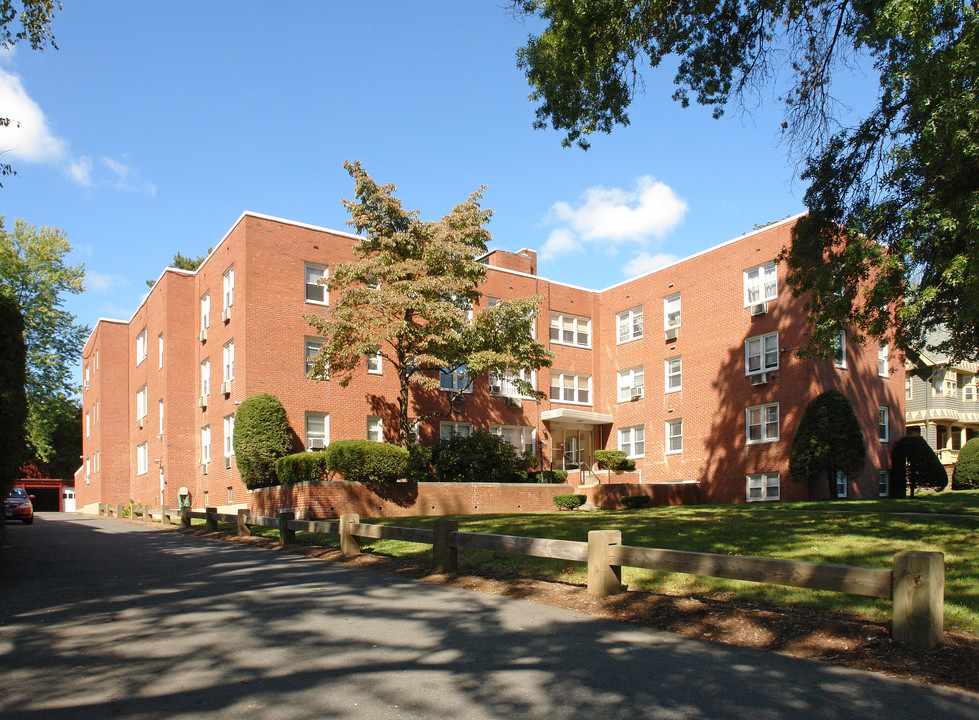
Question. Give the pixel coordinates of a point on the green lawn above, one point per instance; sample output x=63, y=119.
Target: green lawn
x=860, y=533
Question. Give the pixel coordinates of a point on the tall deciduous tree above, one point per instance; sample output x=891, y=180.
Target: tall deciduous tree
x=828, y=440
x=33, y=270
x=13, y=401
x=890, y=242
x=409, y=296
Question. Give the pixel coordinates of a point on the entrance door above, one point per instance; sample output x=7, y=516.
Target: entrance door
x=68, y=500
x=572, y=448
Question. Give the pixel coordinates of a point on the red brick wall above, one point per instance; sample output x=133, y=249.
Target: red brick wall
x=609, y=497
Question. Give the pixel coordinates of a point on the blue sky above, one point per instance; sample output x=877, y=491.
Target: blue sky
x=155, y=125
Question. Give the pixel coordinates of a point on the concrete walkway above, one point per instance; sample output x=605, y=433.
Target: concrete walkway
x=103, y=619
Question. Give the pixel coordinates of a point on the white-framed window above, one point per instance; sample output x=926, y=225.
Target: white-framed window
x=160, y=406
x=907, y=388
x=142, y=459
x=502, y=384
x=97, y=464
x=882, y=417
x=761, y=354
x=760, y=283
x=632, y=441
x=229, y=435
x=375, y=429
x=160, y=346
x=87, y=378
x=674, y=436
x=455, y=380
x=571, y=388
x=524, y=439
x=570, y=330
x=674, y=374
x=840, y=484
x=141, y=346
x=969, y=392
x=228, y=282
x=316, y=291
x=630, y=324
x=229, y=361
x=206, y=444
x=631, y=383
x=96, y=360
x=141, y=403
x=88, y=425
x=839, y=350
x=313, y=347
x=671, y=311
x=761, y=422
x=883, y=483
x=205, y=310
x=374, y=363
x=451, y=429
x=206, y=377
x=96, y=411
x=761, y=487
x=317, y=430
x=882, y=368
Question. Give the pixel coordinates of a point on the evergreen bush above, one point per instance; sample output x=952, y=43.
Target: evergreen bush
x=569, y=502
x=915, y=465
x=301, y=467
x=966, y=473
x=481, y=457
x=261, y=437
x=827, y=440
x=13, y=399
x=366, y=461
x=635, y=501
x=614, y=460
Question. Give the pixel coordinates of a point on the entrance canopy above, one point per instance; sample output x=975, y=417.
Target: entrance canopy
x=579, y=417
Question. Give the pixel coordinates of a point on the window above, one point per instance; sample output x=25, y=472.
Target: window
x=671, y=311
x=455, y=380
x=206, y=377
x=571, y=388
x=762, y=486
x=142, y=459
x=453, y=429
x=88, y=425
x=907, y=388
x=840, y=484
x=882, y=368
x=762, y=423
x=839, y=350
x=141, y=403
x=313, y=347
x=96, y=411
x=674, y=374
x=630, y=324
x=97, y=465
x=317, y=431
x=503, y=384
x=375, y=431
x=883, y=483
x=160, y=404
x=316, y=291
x=632, y=441
x=96, y=360
x=882, y=424
x=85, y=385
x=761, y=354
x=760, y=284
x=229, y=495
x=674, y=436
x=524, y=439
x=141, y=346
x=570, y=330
x=229, y=361
x=229, y=435
x=206, y=444
x=229, y=287
x=205, y=310
x=160, y=346
x=374, y=363
x=630, y=383
x=969, y=393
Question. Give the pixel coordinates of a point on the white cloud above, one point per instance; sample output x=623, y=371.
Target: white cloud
x=103, y=282
x=644, y=262
x=559, y=242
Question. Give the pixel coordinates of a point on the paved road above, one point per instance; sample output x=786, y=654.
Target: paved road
x=103, y=619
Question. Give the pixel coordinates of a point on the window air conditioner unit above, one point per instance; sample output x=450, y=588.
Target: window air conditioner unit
x=204, y=467
x=496, y=390
x=87, y=478
x=759, y=379
x=226, y=314
x=759, y=308
x=636, y=393
x=203, y=334
x=513, y=401
x=672, y=333
x=227, y=462
x=226, y=388
x=85, y=385
x=139, y=423
x=317, y=443
x=202, y=401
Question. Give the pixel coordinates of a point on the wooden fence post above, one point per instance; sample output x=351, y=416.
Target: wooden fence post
x=185, y=517
x=132, y=510
x=102, y=509
x=165, y=515
x=210, y=521
x=147, y=513
x=119, y=513
x=286, y=536
x=349, y=544
x=445, y=556
x=603, y=577
x=919, y=598
x=243, y=530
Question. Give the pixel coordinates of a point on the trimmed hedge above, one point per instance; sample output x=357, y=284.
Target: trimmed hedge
x=635, y=501
x=915, y=465
x=301, y=467
x=481, y=457
x=555, y=477
x=366, y=461
x=966, y=473
x=569, y=502
x=261, y=437
x=614, y=460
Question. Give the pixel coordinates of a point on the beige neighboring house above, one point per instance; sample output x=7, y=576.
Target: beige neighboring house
x=943, y=404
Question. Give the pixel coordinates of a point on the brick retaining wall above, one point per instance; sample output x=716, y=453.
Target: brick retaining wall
x=609, y=497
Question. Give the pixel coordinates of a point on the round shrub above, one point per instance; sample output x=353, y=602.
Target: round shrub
x=966, y=473
x=635, y=501
x=301, y=467
x=261, y=437
x=569, y=502
x=366, y=461
x=481, y=457
x=614, y=460
x=914, y=465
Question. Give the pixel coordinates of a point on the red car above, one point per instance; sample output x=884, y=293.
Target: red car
x=18, y=506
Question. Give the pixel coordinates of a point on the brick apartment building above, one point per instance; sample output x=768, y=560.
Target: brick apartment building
x=691, y=369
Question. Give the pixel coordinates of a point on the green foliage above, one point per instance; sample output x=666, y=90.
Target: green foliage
x=300, y=467
x=409, y=294
x=555, y=477
x=65, y=417
x=569, y=502
x=13, y=400
x=35, y=18
x=915, y=465
x=182, y=262
x=828, y=439
x=614, y=460
x=481, y=457
x=261, y=437
x=635, y=501
x=419, y=464
x=366, y=461
x=966, y=473
x=892, y=230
